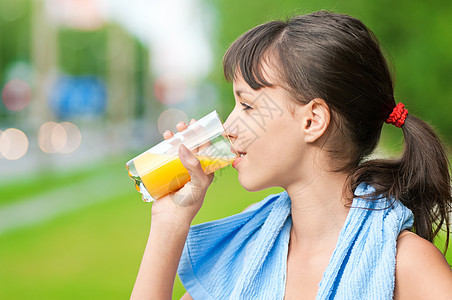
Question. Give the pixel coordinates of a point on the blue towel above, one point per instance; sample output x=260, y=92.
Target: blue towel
x=245, y=256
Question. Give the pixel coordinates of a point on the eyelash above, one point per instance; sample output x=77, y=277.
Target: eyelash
x=245, y=106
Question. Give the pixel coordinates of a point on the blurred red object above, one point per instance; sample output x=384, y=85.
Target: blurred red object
x=16, y=95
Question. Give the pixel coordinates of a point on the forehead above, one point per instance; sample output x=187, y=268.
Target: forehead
x=267, y=71
x=240, y=86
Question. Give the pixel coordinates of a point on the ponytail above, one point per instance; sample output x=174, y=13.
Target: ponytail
x=420, y=179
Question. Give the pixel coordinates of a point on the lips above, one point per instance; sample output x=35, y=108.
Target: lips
x=239, y=157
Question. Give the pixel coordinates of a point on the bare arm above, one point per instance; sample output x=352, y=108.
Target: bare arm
x=422, y=272
x=170, y=223
x=158, y=268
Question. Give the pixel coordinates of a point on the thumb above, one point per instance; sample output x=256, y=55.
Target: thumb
x=193, y=166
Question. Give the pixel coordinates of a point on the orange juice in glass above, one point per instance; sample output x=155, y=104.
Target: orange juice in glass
x=159, y=171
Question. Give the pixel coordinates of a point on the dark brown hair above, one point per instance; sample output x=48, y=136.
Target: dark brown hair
x=337, y=58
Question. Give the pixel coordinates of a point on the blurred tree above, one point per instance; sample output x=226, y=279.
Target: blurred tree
x=29, y=33
x=142, y=77
x=14, y=32
x=15, y=24
x=120, y=75
x=44, y=51
x=83, y=52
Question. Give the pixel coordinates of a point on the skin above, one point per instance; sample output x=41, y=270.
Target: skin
x=284, y=151
x=422, y=271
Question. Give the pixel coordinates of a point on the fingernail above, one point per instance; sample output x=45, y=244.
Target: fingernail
x=183, y=151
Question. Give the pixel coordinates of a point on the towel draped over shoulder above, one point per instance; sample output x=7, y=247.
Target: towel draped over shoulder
x=244, y=256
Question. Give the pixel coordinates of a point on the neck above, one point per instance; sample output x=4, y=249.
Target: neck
x=318, y=211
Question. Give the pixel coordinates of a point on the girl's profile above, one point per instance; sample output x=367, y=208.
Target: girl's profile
x=311, y=97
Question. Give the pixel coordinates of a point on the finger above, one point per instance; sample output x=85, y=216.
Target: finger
x=189, y=195
x=192, y=121
x=193, y=166
x=181, y=126
x=205, y=146
x=167, y=134
x=211, y=176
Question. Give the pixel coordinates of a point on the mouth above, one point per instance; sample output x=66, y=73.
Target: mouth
x=240, y=154
x=239, y=157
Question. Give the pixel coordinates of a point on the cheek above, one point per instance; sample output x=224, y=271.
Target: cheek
x=269, y=164
x=279, y=148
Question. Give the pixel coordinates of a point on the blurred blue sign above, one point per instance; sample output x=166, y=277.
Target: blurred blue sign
x=78, y=96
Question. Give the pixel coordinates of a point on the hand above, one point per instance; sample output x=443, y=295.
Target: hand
x=182, y=206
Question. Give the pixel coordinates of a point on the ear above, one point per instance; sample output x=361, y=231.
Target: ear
x=316, y=120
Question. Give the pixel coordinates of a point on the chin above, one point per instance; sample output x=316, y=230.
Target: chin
x=251, y=184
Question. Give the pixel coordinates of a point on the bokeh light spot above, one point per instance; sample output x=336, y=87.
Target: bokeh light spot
x=16, y=94
x=13, y=144
x=169, y=118
x=58, y=137
x=74, y=137
x=170, y=90
x=63, y=138
x=46, y=139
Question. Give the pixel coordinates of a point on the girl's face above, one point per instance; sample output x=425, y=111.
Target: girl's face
x=271, y=138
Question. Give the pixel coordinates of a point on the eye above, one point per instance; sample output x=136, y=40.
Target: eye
x=245, y=106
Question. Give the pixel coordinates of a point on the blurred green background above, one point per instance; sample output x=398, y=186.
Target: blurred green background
x=86, y=85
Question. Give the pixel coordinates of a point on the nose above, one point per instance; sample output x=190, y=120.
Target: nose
x=231, y=131
x=231, y=136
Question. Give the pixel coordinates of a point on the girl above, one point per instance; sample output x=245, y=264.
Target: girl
x=312, y=95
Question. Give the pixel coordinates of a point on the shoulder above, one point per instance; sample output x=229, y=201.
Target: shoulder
x=421, y=269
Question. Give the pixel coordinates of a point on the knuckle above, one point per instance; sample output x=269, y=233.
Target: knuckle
x=194, y=162
x=205, y=184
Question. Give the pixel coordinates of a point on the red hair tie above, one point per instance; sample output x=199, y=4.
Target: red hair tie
x=398, y=115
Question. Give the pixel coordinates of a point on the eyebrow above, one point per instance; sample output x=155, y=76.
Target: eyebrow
x=239, y=92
